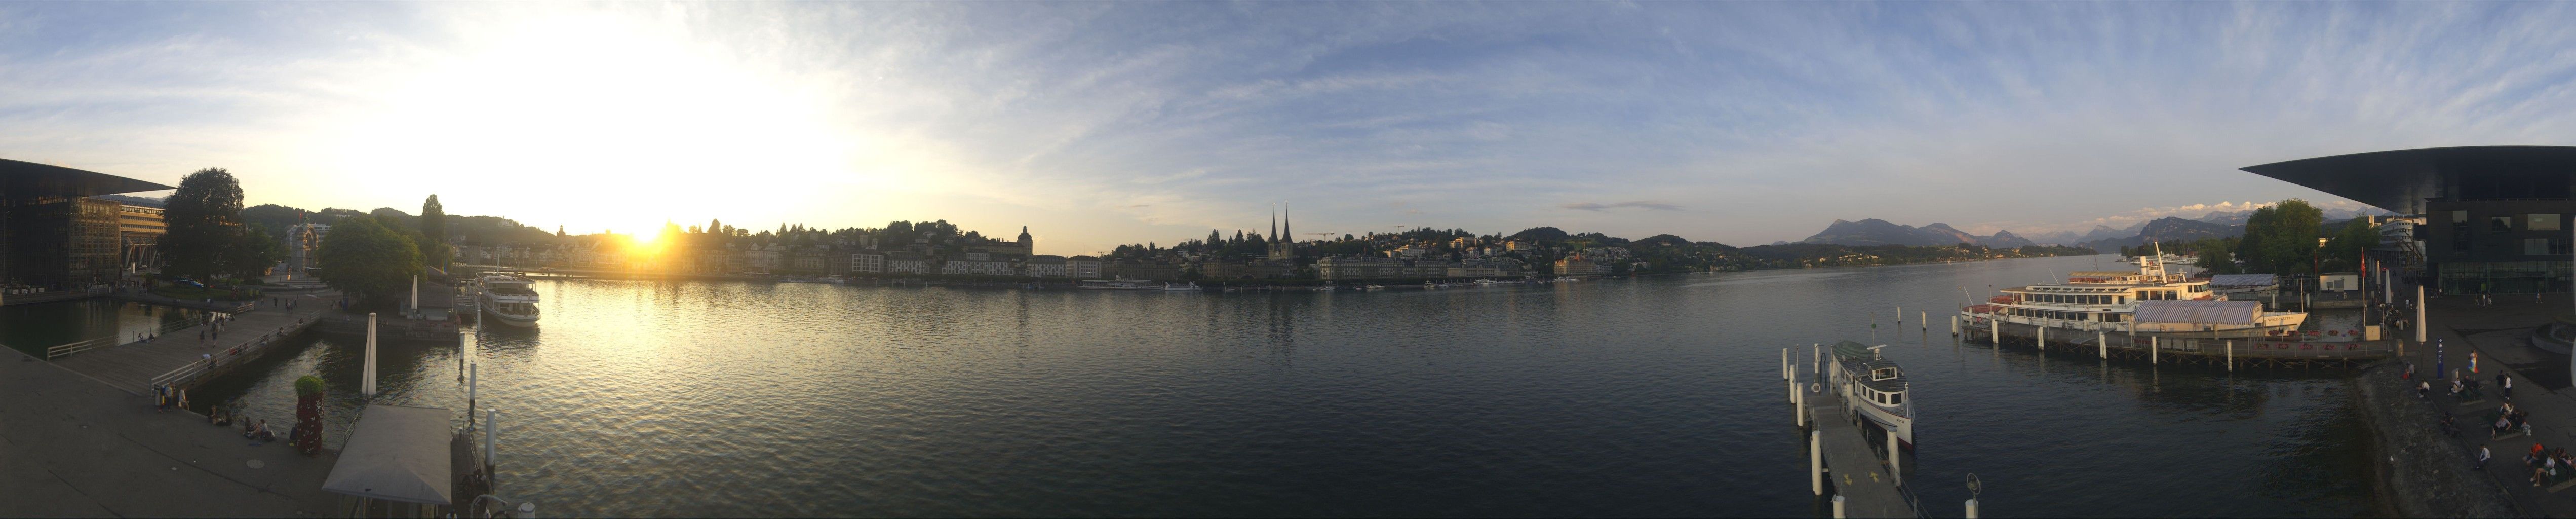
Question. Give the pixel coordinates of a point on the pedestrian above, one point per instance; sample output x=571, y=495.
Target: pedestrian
x=2483, y=456
x=2506, y=383
x=2423, y=388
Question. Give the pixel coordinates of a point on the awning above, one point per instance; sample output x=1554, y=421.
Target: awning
x=2241, y=280
x=397, y=453
x=2199, y=311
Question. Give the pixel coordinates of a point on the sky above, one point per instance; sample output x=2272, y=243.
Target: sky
x=1096, y=123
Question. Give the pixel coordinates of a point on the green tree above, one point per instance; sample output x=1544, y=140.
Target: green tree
x=253, y=252
x=433, y=224
x=2343, y=250
x=368, y=260
x=203, y=220
x=2282, y=238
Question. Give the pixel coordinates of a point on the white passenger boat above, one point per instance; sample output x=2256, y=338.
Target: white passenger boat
x=1875, y=388
x=1118, y=284
x=510, y=299
x=2149, y=300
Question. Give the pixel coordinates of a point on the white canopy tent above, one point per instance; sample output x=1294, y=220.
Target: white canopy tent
x=398, y=454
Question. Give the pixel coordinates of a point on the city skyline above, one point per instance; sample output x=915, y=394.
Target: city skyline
x=1106, y=124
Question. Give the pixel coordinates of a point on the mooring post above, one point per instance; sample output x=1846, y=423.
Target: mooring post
x=1838, y=507
x=1816, y=462
x=1894, y=470
x=2102, y=342
x=1995, y=331
x=1798, y=402
x=1784, y=363
x=1924, y=318
x=1972, y=509
x=1900, y=314
x=1818, y=350
x=1954, y=326
x=2152, y=346
x=2041, y=332
x=2231, y=355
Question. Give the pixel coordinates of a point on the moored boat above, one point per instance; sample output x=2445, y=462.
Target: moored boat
x=1183, y=287
x=1875, y=388
x=2148, y=300
x=509, y=299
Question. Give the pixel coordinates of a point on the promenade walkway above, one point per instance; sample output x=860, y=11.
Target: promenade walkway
x=132, y=366
x=2499, y=333
x=73, y=447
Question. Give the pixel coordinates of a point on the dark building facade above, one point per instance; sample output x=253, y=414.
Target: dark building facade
x=52, y=234
x=2496, y=219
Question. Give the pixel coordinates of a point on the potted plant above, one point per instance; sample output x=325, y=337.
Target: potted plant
x=307, y=437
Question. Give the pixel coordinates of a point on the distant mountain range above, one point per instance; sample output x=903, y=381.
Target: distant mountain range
x=1880, y=232
x=2216, y=224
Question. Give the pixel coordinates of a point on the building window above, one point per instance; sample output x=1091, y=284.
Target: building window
x=2540, y=222
x=2459, y=243
x=2500, y=224
x=2544, y=246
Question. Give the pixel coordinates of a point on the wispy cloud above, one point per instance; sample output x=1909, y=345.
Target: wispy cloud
x=1128, y=122
x=1596, y=206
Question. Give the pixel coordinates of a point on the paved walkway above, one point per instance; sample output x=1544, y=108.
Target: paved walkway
x=2500, y=333
x=73, y=447
x=130, y=366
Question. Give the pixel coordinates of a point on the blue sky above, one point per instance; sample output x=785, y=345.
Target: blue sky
x=1105, y=123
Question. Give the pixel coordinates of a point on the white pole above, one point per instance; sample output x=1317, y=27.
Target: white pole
x=2102, y=341
x=2041, y=332
x=415, y=292
x=2152, y=347
x=1995, y=330
x=367, y=374
x=1798, y=401
x=2231, y=355
x=491, y=436
x=1923, y=318
x=1900, y=314
x=1972, y=509
x=1816, y=462
x=2419, y=314
x=1818, y=349
x=473, y=380
x=1894, y=469
x=1838, y=507
x=1954, y=326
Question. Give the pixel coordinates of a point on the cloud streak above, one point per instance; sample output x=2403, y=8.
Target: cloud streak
x=1118, y=123
x=1598, y=207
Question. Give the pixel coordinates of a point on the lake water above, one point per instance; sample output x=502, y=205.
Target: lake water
x=1644, y=397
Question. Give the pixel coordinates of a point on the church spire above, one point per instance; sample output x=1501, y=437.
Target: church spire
x=1285, y=230
x=1274, y=223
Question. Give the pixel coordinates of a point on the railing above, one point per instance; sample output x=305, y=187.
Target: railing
x=225, y=356
x=66, y=349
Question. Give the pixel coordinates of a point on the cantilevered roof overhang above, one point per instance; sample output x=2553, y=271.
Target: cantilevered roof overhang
x=31, y=179
x=2400, y=180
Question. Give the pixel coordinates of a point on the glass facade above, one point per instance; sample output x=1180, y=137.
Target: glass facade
x=2504, y=277
x=60, y=242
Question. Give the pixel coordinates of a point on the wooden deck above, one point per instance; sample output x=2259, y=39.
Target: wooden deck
x=133, y=366
x=1855, y=470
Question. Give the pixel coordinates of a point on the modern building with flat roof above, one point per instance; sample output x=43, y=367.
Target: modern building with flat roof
x=2495, y=218
x=52, y=233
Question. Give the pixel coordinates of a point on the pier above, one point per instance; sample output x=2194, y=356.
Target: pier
x=2310, y=349
x=177, y=358
x=1845, y=470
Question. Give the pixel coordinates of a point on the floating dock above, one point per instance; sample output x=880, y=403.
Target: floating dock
x=1845, y=470
x=178, y=358
x=2290, y=350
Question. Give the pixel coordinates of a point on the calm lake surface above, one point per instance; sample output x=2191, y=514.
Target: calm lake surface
x=1645, y=397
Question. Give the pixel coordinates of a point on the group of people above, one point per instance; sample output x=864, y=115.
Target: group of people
x=2508, y=420
x=165, y=399
x=2546, y=464
x=251, y=430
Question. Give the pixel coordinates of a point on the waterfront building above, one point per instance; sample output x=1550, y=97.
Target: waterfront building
x=1520, y=246
x=988, y=267
x=809, y=260
x=1476, y=270
x=764, y=259
x=868, y=262
x=1048, y=266
x=1082, y=267
x=1346, y=269
x=2490, y=219
x=138, y=232
x=52, y=234
x=906, y=262
x=1142, y=271
x=1577, y=265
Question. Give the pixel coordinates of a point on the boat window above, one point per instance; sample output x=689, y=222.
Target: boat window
x=1895, y=398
